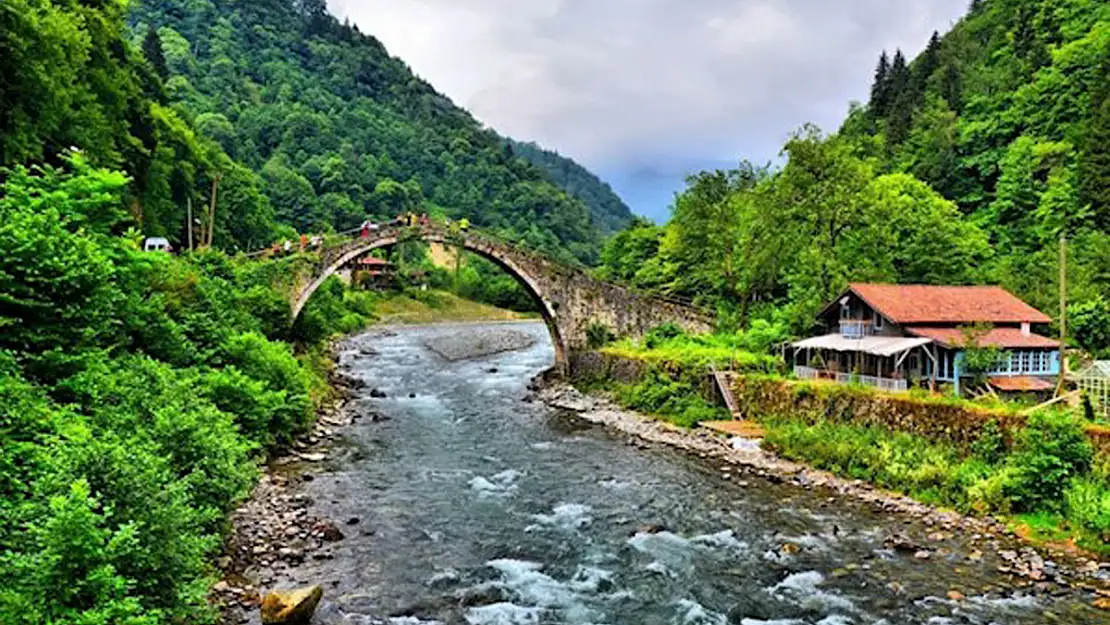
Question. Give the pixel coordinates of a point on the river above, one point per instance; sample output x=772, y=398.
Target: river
x=475, y=505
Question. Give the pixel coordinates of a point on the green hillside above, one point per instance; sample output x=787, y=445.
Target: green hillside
x=307, y=123
x=336, y=128
x=966, y=166
x=608, y=209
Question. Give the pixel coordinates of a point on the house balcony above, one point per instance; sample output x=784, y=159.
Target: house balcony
x=873, y=381
x=856, y=329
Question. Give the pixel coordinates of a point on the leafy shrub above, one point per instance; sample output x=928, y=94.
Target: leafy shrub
x=1087, y=501
x=662, y=333
x=1049, y=453
x=677, y=400
x=259, y=411
x=598, y=335
x=274, y=364
x=990, y=447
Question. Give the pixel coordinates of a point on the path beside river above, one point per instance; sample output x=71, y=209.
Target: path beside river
x=446, y=491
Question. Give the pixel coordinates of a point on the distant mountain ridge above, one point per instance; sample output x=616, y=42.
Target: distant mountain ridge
x=608, y=209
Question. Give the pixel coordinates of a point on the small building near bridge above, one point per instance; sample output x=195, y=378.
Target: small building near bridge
x=895, y=337
x=373, y=273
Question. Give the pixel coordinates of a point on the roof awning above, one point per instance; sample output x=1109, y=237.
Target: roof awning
x=884, y=346
x=1021, y=383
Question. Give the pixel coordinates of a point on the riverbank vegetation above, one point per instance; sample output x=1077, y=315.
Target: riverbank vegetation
x=138, y=392
x=1047, y=478
x=976, y=456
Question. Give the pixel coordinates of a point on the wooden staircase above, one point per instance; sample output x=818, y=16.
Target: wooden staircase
x=738, y=426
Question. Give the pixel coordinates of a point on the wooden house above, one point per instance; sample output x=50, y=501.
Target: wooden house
x=894, y=337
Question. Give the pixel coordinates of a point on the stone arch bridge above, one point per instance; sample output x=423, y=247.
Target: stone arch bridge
x=569, y=298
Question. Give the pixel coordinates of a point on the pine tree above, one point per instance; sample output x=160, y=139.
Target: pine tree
x=1094, y=160
x=902, y=97
x=152, y=50
x=951, y=87
x=926, y=65
x=899, y=77
x=879, y=100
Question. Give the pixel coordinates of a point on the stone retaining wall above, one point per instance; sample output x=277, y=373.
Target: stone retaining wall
x=761, y=396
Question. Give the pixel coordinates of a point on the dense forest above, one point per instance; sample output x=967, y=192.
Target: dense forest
x=966, y=166
x=296, y=122
x=608, y=209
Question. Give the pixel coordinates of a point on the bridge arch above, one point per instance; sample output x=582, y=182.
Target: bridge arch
x=485, y=249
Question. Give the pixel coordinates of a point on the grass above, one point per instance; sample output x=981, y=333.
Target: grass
x=423, y=307
x=940, y=474
x=740, y=352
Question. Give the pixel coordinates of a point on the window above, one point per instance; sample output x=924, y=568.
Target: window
x=845, y=311
x=878, y=321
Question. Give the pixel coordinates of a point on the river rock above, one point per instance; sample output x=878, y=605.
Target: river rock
x=478, y=343
x=328, y=531
x=291, y=607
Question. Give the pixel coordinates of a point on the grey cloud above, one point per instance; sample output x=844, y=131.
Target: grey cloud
x=659, y=86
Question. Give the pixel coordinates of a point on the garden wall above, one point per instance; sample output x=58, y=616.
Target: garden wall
x=767, y=396
x=936, y=418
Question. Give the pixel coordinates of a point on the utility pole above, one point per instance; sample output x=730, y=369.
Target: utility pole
x=1063, y=313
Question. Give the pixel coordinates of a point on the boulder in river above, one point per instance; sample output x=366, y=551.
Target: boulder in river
x=328, y=531
x=291, y=607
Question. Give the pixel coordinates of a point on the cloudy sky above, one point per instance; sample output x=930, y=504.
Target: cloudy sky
x=645, y=91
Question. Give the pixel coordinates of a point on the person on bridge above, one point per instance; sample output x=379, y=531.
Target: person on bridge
x=424, y=219
x=464, y=224
x=365, y=234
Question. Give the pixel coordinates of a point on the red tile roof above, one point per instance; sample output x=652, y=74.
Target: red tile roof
x=1011, y=338
x=917, y=303
x=1020, y=383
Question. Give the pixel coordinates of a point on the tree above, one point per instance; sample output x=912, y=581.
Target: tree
x=880, y=88
x=152, y=50
x=925, y=66
x=901, y=94
x=931, y=150
x=1094, y=159
x=951, y=86
x=713, y=238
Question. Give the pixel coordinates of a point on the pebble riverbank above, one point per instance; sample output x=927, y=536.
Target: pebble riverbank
x=1043, y=570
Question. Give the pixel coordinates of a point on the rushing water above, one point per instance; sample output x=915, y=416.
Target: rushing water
x=476, y=506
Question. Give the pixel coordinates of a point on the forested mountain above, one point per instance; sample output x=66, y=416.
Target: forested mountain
x=965, y=166
x=608, y=209
x=305, y=122
x=338, y=128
